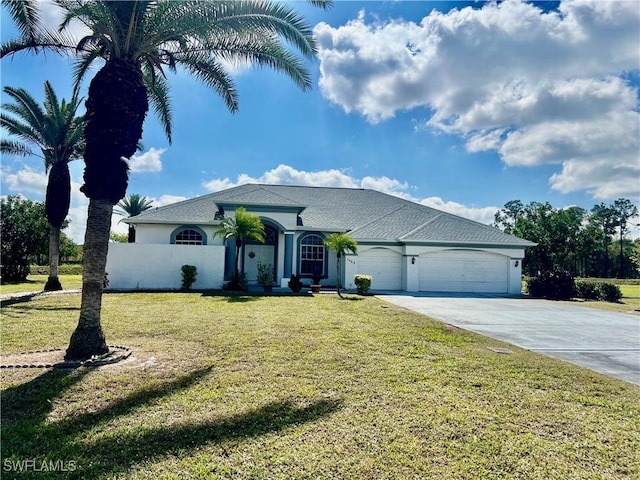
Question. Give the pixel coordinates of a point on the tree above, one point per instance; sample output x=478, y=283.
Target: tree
x=604, y=216
x=507, y=217
x=131, y=206
x=341, y=243
x=58, y=133
x=243, y=226
x=624, y=210
x=137, y=41
x=23, y=227
x=116, y=237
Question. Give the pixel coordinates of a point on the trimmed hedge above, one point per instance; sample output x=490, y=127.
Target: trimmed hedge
x=587, y=290
x=609, y=292
x=560, y=285
x=63, y=269
x=556, y=285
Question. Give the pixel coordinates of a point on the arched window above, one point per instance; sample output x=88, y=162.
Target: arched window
x=312, y=256
x=188, y=236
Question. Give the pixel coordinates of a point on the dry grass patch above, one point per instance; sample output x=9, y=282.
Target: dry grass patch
x=305, y=387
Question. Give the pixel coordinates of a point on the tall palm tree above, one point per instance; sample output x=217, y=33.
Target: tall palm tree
x=244, y=226
x=131, y=206
x=135, y=41
x=341, y=243
x=58, y=133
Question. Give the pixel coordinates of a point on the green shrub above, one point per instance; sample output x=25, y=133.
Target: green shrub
x=363, y=283
x=295, y=283
x=189, y=274
x=609, y=292
x=587, y=290
x=556, y=285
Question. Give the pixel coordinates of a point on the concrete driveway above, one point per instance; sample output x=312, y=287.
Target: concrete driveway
x=606, y=342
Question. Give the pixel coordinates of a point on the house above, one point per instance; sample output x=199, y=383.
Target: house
x=401, y=244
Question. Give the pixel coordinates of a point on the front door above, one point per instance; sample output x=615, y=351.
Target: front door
x=253, y=255
x=261, y=252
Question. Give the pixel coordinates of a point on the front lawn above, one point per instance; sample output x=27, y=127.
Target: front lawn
x=304, y=387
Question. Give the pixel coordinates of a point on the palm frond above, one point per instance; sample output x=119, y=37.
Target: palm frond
x=159, y=97
x=25, y=15
x=10, y=147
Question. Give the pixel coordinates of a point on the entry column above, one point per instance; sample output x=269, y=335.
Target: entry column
x=288, y=254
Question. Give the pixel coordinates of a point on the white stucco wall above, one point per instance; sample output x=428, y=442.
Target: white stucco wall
x=151, y=266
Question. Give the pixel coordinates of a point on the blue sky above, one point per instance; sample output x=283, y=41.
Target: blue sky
x=462, y=106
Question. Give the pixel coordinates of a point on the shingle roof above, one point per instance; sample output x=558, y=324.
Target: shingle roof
x=365, y=214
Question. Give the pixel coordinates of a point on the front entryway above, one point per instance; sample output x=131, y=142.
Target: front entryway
x=265, y=253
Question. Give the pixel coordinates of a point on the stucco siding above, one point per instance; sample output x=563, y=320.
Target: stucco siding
x=150, y=266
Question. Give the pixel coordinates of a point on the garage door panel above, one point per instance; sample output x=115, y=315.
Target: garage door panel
x=384, y=266
x=463, y=271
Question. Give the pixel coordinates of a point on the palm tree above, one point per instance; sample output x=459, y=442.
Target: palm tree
x=244, y=226
x=58, y=133
x=131, y=206
x=135, y=41
x=341, y=243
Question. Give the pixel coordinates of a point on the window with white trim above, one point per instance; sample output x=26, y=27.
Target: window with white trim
x=188, y=237
x=312, y=253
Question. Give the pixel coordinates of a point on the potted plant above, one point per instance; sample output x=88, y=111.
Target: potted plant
x=265, y=276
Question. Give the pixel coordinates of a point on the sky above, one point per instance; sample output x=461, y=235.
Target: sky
x=462, y=106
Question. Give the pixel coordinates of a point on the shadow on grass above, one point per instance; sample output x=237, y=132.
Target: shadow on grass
x=27, y=433
x=19, y=299
x=47, y=308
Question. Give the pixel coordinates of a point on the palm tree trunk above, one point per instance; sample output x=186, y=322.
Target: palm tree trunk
x=88, y=339
x=53, y=282
x=116, y=107
x=237, y=270
x=57, y=201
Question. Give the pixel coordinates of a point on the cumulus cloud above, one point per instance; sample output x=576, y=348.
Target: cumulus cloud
x=288, y=175
x=25, y=180
x=483, y=214
x=536, y=87
x=148, y=161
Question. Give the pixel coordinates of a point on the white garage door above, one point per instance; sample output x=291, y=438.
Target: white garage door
x=384, y=266
x=463, y=271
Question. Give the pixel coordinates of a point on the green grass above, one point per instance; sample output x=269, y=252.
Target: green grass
x=35, y=283
x=305, y=387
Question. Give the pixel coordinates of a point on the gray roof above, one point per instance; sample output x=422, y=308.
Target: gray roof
x=365, y=214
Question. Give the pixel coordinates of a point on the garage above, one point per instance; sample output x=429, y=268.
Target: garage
x=384, y=266
x=473, y=271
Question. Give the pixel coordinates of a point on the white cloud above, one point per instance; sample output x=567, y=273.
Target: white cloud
x=483, y=214
x=26, y=180
x=149, y=161
x=167, y=200
x=537, y=88
x=288, y=175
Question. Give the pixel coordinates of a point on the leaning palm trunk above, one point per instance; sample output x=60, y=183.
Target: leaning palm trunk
x=116, y=107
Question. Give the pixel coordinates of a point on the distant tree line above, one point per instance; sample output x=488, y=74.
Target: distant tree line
x=585, y=243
